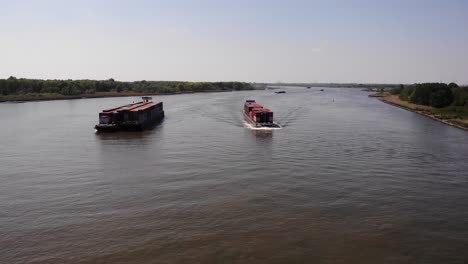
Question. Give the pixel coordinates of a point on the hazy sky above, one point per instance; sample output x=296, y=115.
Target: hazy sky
x=246, y=40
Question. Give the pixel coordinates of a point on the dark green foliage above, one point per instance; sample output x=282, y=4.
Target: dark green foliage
x=449, y=101
x=406, y=92
x=14, y=86
x=398, y=89
x=453, y=85
x=432, y=94
x=421, y=95
x=441, y=97
x=460, y=96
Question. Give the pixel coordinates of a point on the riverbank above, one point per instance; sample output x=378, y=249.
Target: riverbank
x=379, y=94
x=50, y=97
x=427, y=111
x=21, y=89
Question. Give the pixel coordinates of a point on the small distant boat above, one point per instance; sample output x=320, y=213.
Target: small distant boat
x=321, y=90
x=135, y=116
x=308, y=87
x=258, y=116
x=280, y=92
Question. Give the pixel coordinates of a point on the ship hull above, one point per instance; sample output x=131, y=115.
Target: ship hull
x=132, y=117
x=130, y=126
x=260, y=125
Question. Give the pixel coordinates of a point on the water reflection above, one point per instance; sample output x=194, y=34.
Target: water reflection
x=262, y=133
x=355, y=176
x=124, y=135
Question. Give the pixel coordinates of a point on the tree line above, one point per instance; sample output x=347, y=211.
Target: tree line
x=14, y=86
x=433, y=94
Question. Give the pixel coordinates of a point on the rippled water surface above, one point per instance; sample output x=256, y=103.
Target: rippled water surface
x=347, y=179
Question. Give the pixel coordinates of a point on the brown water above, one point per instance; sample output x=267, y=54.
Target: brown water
x=347, y=180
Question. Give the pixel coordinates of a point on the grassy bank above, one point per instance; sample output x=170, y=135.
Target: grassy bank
x=451, y=115
x=56, y=96
x=13, y=89
x=48, y=97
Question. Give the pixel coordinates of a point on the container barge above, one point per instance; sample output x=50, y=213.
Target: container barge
x=135, y=116
x=259, y=116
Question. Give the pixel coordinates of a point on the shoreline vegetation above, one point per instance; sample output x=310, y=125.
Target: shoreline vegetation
x=444, y=103
x=21, y=90
x=362, y=86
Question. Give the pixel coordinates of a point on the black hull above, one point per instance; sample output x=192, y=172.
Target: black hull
x=148, y=124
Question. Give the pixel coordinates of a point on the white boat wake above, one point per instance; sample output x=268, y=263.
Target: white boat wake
x=250, y=126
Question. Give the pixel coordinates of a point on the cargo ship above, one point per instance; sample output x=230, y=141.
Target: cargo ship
x=135, y=116
x=259, y=116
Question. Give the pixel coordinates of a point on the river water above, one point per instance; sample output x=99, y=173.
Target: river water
x=348, y=179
